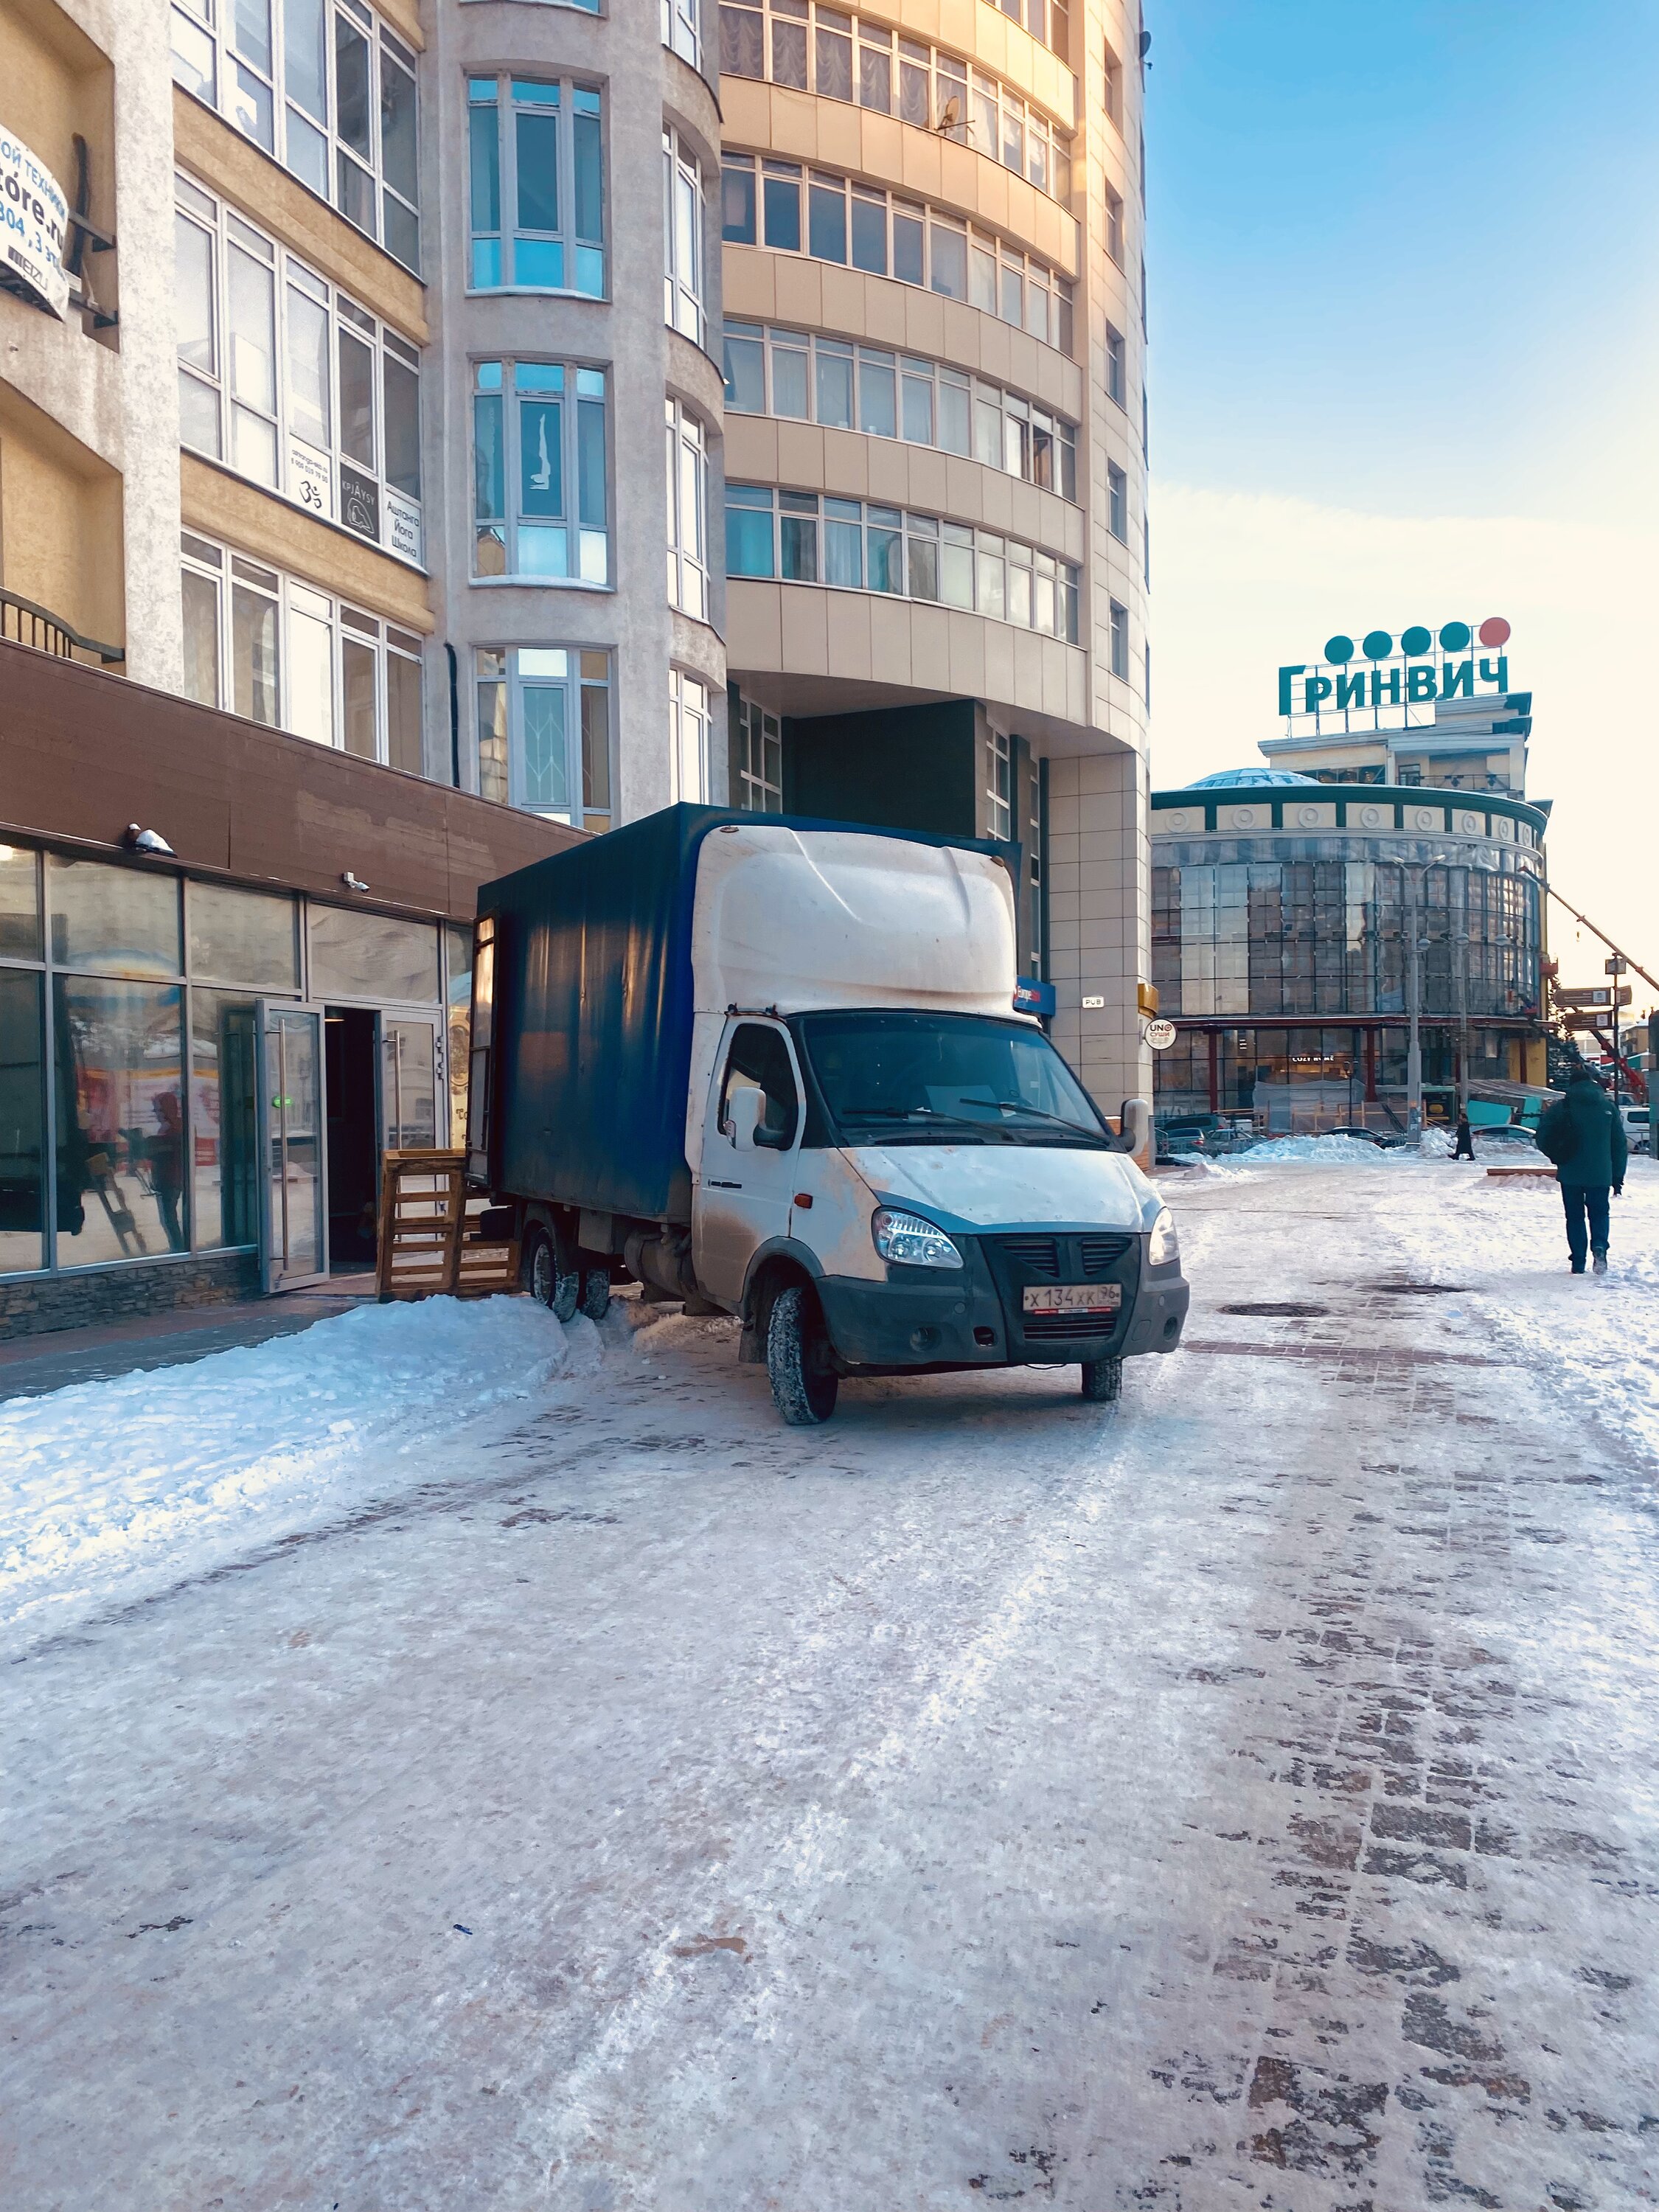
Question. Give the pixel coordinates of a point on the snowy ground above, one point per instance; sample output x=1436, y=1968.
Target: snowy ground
x=615, y=1803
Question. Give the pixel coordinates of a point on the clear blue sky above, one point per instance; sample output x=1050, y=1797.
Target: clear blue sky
x=1402, y=252
x=1403, y=267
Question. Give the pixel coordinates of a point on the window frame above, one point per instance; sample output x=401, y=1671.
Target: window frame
x=685, y=297
x=587, y=670
x=949, y=76
x=567, y=107
x=823, y=533
x=336, y=486
x=760, y=739
x=387, y=642
x=877, y=362
x=585, y=384
x=396, y=210
x=690, y=576
x=756, y=182
x=690, y=736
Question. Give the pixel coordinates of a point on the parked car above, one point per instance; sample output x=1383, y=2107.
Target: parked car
x=1371, y=1136
x=773, y=1070
x=1638, y=1130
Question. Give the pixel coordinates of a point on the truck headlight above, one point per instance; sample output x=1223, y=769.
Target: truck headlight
x=1163, y=1247
x=909, y=1242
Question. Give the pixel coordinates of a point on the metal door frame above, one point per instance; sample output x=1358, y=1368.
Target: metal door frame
x=270, y=1261
x=438, y=1027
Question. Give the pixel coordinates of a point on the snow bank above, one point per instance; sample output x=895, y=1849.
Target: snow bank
x=110, y=1491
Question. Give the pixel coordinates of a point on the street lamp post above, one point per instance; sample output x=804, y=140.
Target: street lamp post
x=1414, y=1009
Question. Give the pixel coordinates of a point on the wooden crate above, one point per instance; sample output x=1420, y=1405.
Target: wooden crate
x=424, y=1251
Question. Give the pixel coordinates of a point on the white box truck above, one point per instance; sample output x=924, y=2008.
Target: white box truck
x=773, y=1068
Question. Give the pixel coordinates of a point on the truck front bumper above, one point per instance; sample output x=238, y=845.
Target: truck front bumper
x=908, y=1325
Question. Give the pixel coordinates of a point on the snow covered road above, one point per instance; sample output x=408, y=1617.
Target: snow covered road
x=614, y=1801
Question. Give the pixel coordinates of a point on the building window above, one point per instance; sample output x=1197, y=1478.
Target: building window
x=1119, y=633
x=1115, y=225
x=999, y=785
x=544, y=730
x=1112, y=99
x=537, y=197
x=681, y=29
x=758, y=755
x=539, y=470
x=1048, y=21
x=1117, y=502
x=683, y=233
x=329, y=91
x=290, y=383
x=688, y=510
x=806, y=378
x=790, y=210
x=691, y=738
x=800, y=538
x=279, y=652
x=840, y=56
x=1115, y=383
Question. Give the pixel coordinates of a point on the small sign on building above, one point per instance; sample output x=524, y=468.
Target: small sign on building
x=33, y=223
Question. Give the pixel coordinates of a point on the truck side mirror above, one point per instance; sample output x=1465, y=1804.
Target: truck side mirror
x=1134, y=1126
x=743, y=1109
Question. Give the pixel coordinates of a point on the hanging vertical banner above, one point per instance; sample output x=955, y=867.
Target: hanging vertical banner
x=33, y=222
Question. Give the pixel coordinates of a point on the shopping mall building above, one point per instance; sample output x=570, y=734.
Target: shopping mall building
x=386, y=393
x=1298, y=911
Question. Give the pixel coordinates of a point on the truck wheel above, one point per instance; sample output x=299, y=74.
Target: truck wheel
x=558, y=1289
x=596, y=1292
x=1103, y=1379
x=804, y=1383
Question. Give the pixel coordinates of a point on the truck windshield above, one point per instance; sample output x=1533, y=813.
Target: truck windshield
x=946, y=1078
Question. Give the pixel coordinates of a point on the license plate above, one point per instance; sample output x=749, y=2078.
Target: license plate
x=1071, y=1297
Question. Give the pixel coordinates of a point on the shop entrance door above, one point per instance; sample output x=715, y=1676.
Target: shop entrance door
x=293, y=1197
x=411, y=1068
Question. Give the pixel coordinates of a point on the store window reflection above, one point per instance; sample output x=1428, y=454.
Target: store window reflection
x=223, y=1120
x=458, y=946
x=121, y=1179
x=22, y=1188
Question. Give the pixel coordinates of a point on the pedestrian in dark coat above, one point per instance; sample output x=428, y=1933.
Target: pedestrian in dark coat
x=1464, y=1148
x=1583, y=1134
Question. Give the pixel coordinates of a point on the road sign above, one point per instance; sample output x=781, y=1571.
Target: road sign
x=1600, y=994
x=1160, y=1035
x=1616, y=966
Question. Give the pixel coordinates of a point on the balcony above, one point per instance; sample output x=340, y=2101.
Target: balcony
x=25, y=624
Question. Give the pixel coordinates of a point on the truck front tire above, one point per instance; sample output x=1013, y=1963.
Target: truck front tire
x=1103, y=1379
x=804, y=1383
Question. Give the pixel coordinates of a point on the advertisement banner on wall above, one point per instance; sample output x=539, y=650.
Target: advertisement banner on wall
x=34, y=224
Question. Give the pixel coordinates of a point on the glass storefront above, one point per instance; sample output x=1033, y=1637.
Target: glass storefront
x=1293, y=954
x=129, y=1110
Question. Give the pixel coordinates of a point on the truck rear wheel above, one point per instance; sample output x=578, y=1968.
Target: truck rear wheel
x=559, y=1289
x=1103, y=1379
x=596, y=1292
x=804, y=1383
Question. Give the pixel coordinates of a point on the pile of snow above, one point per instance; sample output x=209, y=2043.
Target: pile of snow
x=110, y=1491
x=1317, y=1152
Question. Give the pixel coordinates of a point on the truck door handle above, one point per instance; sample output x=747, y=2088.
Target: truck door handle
x=713, y=1184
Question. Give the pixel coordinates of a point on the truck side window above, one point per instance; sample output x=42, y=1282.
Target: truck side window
x=759, y=1060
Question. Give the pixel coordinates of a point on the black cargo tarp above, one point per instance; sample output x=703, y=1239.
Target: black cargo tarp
x=593, y=1007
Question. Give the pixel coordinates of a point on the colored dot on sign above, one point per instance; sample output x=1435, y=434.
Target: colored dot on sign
x=1494, y=630
x=1379, y=644
x=1339, y=649
x=1455, y=637
x=1416, y=640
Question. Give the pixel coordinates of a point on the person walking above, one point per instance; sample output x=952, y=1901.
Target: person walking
x=1464, y=1148
x=1583, y=1134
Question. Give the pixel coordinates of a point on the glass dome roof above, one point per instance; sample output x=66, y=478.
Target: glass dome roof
x=1230, y=778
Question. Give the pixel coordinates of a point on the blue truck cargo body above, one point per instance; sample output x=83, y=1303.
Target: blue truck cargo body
x=594, y=1013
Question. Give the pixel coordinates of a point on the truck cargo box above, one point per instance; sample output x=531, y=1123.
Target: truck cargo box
x=593, y=1006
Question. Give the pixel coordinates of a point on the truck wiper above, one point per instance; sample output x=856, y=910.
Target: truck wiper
x=908, y=1113
x=1077, y=1129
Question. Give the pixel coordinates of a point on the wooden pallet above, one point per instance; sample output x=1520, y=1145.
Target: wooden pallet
x=1517, y=1175
x=424, y=1250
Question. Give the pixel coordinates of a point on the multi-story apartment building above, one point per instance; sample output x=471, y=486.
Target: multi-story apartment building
x=373, y=374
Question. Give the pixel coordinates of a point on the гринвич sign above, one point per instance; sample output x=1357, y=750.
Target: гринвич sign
x=1415, y=677
x=34, y=218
